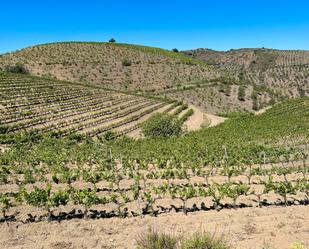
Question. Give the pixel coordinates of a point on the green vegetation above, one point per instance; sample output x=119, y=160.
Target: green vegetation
x=17, y=68
x=203, y=241
x=264, y=146
x=126, y=62
x=155, y=240
x=51, y=105
x=162, y=125
x=186, y=116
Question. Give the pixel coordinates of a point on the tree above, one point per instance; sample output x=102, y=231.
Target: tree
x=112, y=40
x=162, y=125
x=175, y=50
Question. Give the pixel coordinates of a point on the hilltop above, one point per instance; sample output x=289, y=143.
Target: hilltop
x=112, y=65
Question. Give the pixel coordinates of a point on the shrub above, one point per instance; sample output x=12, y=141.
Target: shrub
x=126, y=62
x=175, y=50
x=109, y=135
x=112, y=40
x=241, y=93
x=3, y=129
x=18, y=68
x=203, y=241
x=162, y=125
x=155, y=240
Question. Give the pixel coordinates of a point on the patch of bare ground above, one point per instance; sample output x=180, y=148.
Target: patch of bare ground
x=248, y=228
x=215, y=120
x=196, y=121
x=259, y=112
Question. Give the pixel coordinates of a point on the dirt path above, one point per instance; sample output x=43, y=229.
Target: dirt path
x=200, y=119
x=196, y=121
x=215, y=120
x=248, y=228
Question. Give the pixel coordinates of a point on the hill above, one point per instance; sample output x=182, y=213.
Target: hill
x=134, y=68
x=285, y=72
x=112, y=65
x=213, y=81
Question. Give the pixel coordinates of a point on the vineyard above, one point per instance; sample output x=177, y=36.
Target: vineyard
x=40, y=105
x=69, y=152
x=111, y=65
x=260, y=66
x=76, y=177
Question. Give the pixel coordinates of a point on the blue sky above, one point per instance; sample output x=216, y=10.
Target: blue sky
x=219, y=25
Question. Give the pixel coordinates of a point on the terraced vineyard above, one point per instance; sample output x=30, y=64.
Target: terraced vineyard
x=57, y=162
x=59, y=179
x=284, y=71
x=40, y=105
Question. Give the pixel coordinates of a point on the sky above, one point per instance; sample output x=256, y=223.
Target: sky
x=219, y=25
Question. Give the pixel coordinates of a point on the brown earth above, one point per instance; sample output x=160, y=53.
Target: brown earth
x=248, y=228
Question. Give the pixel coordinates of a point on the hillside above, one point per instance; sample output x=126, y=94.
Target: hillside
x=252, y=169
x=284, y=71
x=136, y=68
x=112, y=65
x=215, y=82
x=44, y=105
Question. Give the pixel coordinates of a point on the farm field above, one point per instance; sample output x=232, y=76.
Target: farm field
x=154, y=125
x=77, y=154
x=262, y=165
x=42, y=105
x=278, y=72
x=201, y=78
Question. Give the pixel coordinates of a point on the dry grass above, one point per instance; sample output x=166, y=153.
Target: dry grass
x=152, y=239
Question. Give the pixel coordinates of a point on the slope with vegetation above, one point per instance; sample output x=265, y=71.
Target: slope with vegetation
x=247, y=161
x=112, y=65
x=134, y=68
x=277, y=73
x=43, y=105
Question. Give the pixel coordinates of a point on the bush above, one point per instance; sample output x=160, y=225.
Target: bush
x=162, y=125
x=3, y=129
x=241, y=94
x=203, y=241
x=175, y=50
x=112, y=40
x=155, y=240
x=126, y=62
x=109, y=135
x=18, y=68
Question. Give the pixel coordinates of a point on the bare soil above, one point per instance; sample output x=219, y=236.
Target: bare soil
x=248, y=228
